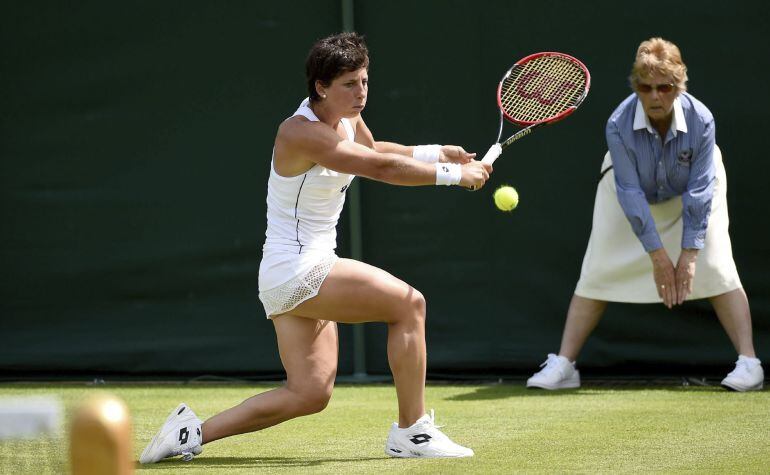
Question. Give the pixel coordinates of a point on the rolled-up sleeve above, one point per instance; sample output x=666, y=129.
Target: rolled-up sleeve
x=630, y=194
x=696, y=201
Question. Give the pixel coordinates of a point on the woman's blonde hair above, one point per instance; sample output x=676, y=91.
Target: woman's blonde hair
x=661, y=57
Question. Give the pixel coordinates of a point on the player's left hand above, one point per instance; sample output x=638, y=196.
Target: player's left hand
x=455, y=154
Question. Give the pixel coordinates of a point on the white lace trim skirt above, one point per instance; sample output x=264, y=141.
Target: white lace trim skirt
x=312, y=268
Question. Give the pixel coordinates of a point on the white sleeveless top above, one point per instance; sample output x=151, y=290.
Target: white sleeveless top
x=302, y=216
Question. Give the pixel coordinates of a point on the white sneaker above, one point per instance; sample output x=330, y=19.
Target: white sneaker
x=422, y=439
x=557, y=373
x=748, y=375
x=180, y=435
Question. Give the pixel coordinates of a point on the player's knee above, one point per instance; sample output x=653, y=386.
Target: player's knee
x=409, y=309
x=312, y=392
x=418, y=303
x=313, y=400
x=416, y=307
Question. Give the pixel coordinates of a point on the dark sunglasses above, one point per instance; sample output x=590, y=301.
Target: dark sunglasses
x=661, y=88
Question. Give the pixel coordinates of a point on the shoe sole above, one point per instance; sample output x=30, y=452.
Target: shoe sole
x=395, y=451
x=553, y=387
x=160, y=434
x=742, y=389
x=408, y=455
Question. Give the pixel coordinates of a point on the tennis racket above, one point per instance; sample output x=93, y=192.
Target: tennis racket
x=542, y=88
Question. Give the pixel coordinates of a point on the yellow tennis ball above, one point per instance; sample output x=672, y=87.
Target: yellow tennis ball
x=506, y=198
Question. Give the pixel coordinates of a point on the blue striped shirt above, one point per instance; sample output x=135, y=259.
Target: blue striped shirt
x=648, y=170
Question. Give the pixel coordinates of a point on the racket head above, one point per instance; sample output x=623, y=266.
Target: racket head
x=543, y=88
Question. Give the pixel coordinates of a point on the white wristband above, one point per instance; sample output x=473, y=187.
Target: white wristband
x=448, y=173
x=427, y=153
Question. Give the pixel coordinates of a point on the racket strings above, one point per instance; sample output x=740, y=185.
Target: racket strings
x=542, y=88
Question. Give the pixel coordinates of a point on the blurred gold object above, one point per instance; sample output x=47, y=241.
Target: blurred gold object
x=101, y=437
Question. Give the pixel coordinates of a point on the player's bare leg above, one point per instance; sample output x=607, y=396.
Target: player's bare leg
x=308, y=350
x=355, y=292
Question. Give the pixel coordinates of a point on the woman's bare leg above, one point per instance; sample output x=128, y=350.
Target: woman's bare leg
x=355, y=292
x=582, y=317
x=732, y=309
x=308, y=351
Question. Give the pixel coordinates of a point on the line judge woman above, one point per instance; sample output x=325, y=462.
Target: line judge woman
x=660, y=220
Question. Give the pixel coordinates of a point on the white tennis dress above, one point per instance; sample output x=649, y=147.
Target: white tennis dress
x=302, y=215
x=617, y=269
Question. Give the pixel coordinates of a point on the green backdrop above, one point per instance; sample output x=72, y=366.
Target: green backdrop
x=135, y=142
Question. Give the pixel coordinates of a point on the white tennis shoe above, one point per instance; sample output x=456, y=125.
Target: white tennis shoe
x=748, y=375
x=557, y=373
x=424, y=440
x=179, y=435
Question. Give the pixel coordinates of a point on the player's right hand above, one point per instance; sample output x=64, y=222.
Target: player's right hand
x=475, y=174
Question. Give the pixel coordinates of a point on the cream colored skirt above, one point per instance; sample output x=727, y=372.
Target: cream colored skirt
x=617, y=269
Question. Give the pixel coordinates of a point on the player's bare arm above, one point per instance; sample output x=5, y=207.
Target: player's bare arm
x=449, y=153
x=301, y=143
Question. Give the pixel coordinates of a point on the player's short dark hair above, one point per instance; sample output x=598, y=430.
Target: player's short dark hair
x=333, y=56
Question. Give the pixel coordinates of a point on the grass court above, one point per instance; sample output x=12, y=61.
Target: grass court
x=599, y=429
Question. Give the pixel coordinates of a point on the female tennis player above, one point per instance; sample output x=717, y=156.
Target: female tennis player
x=664, y=176
x=305, y=288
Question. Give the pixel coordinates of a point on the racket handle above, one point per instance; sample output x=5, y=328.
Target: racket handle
x=492, y=154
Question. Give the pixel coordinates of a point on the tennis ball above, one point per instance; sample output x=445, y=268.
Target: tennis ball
x=506, y=198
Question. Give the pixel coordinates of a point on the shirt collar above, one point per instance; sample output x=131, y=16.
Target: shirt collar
x=641, y=121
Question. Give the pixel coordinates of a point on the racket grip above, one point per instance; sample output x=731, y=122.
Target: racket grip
x=492, y=154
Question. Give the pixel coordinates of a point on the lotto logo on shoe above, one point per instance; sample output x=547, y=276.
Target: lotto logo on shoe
x=420, y=438
x=184, y=434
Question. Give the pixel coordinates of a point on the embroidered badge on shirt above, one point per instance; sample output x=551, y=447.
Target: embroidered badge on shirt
x=685, y=156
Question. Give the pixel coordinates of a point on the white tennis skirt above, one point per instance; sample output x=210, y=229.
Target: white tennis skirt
x=616, y=267
x=286, y=279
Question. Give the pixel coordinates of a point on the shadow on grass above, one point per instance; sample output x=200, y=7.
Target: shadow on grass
x=504, y=391
x=252, y=462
